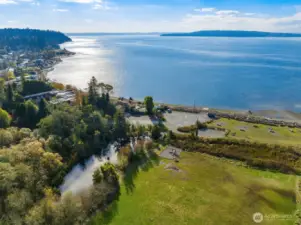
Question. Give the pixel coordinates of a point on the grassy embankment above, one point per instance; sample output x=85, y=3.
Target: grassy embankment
x=207, y=190
x=259, y=132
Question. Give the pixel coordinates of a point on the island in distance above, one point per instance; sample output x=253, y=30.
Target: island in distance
x=231, y=33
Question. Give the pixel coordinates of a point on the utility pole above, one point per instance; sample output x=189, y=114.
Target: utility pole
x=194, y=109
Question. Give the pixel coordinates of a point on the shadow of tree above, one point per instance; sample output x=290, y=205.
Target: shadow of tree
x=131, y=173
x=107, y=216
x=143, y=161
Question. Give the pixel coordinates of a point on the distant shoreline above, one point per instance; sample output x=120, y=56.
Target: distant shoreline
x=232, y=33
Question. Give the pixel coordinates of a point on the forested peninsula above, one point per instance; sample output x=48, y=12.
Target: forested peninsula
x=31, y=39
x=232, y=33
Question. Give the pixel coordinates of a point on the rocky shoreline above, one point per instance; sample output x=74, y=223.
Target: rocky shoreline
x=242, y=116
x=245, y=116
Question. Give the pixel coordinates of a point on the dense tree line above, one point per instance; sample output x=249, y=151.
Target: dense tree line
x=18, y=112
x=30, y=173
x=26, y=170
x=263, y=156
x=34, y=163
x=31, y=87
x=31, y=39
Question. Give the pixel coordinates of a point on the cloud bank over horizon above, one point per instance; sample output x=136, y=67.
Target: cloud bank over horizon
x=151, y=15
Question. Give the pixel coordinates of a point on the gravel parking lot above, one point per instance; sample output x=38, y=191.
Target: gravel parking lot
x=180, y=119
x=142, y=120
x=173, y=120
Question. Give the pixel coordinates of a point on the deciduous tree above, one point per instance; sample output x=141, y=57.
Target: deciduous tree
x=5, y=119
x=149, y=104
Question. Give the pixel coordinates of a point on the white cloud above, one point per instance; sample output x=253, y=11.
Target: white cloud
x=12, y=21
x=205, y=10
x=35, y=3
x=97, y=4
x=60, y=10
x=83, y=1
x=208, y=9
x=103, y=5
x=226, y=12
x=6, y=2
x=249, y=14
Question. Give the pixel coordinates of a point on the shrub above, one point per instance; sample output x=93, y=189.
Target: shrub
x=125, y=151
x=97, y=176
x=58, y=86
x=25, y=133
x=6, y=138
x=138, y=148
x=5, y=119
x=148, y=145
x=200, y=125
x=123, y=163
x=156, y=132
x=187, y=129
x=110, y=174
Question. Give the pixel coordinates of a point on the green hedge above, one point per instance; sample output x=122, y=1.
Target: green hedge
x=191, y=128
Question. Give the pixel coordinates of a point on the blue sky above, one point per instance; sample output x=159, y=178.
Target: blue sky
x=152, y=15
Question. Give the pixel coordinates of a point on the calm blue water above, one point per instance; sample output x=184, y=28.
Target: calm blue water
x=240, y=73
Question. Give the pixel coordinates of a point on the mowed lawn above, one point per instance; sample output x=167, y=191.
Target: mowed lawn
x=259, y=132
x=206, y=190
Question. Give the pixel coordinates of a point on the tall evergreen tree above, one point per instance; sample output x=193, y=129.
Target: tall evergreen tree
x=23, y=80
x=107, y=97
x=149, y=104
x=120, y=126
x=9, y=93
x=42, y=109
x=2, y=91
x=93, y=91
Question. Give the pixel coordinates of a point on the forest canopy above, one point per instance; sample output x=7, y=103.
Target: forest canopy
x=31, y=39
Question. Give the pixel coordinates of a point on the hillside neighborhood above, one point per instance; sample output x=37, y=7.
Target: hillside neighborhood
x=16, y=66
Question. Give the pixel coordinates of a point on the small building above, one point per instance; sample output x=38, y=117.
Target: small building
x=37, y=96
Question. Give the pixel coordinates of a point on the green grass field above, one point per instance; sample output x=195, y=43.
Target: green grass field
x=207, y=190
x=282, y=135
